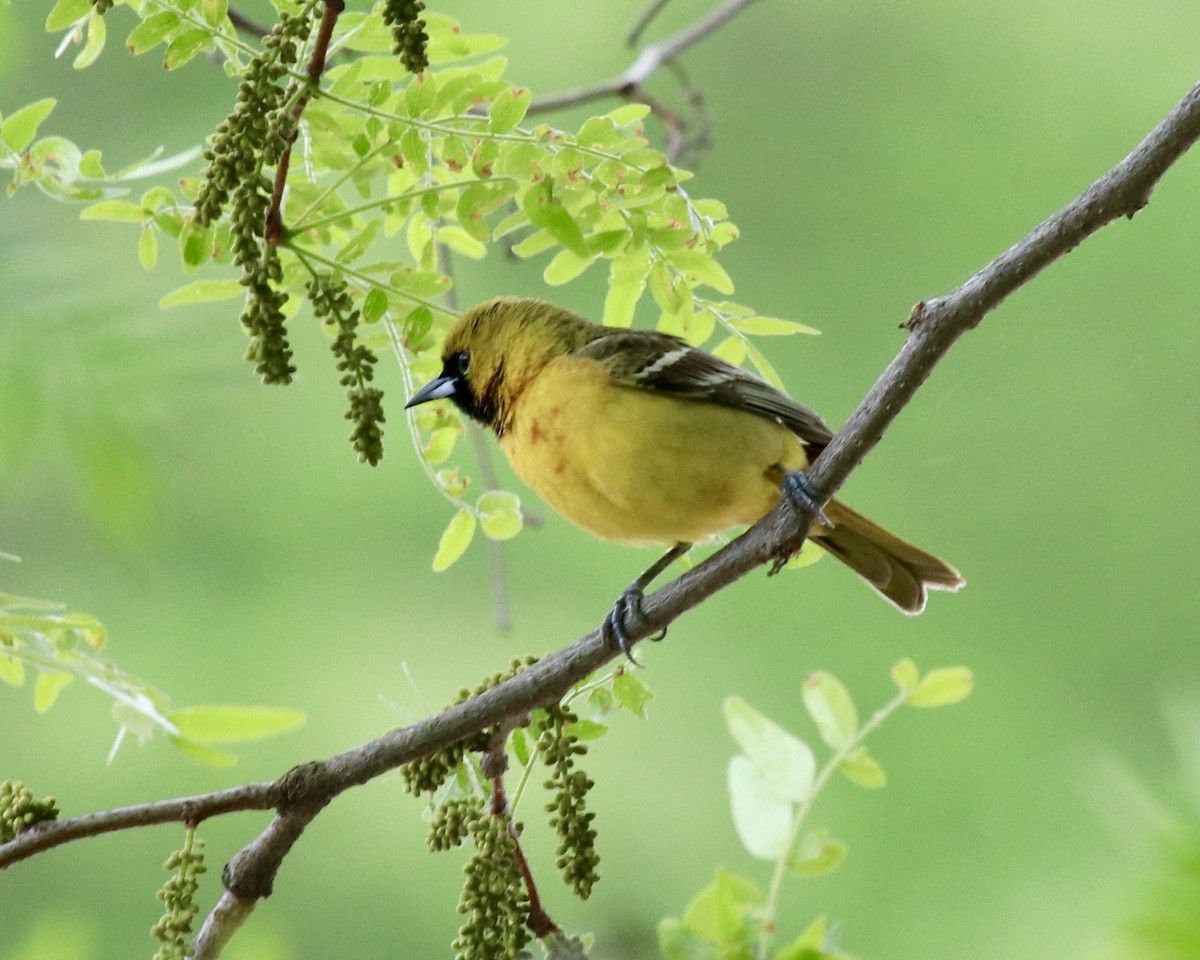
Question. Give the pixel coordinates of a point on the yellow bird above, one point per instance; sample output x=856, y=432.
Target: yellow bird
x=637, y=437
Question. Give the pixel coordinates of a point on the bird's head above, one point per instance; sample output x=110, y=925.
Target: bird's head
x=495, y=349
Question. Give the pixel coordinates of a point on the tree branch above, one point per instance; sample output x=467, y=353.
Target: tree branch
x=934, y=324
x=628, y=83
x=54, y=833
x=648, y=61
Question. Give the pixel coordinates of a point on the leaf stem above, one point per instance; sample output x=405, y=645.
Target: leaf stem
x=805, y=807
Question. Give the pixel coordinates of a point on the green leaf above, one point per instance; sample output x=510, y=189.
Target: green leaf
x=771, y=327
x=214, y=11
x=718, y=912
x=12, y=671
x=508, y=109
x=97, y=33
x=195, y=245
x=863, y=770
x=546, y=211
x=810, y=552
x=519, y=741
x=905, y=675
x=784, y=760
x=702, y=268
x=90, y=165
x=732, y=350
x=358, y=244
x=565, y=266
x=476, y=202
x=416, y=326
x=810, y=945
x=621, y=302
x=588, y=729
x=662, y=288
x=441, y=444
x=227, y=723
x=533, y=244
x=500, y=514
x=18, y=129
x=455, y=540
x=375, y=305
x=942, y=687
x=65, y=13
x=47, y=687
x=763, y=365
x=202, y=291
x=485, y=155
x=762, y=818
x=601, y=701
x=151, y=32
x=519, y=160
x=208, y=755
x=677, y=942
x=632, y=694
x=832, y=708
x=185, y=46
x=419, y=94
x=630, y=113
x=116, y=211
x=458, y=240
x=816, y=854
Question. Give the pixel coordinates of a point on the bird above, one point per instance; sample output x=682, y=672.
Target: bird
x=640, y=438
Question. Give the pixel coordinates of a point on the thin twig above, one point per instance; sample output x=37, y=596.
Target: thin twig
x=495, y=765
x=634, y=35
x=629, y=82
x=243, y=23
x=487, y=473
x=273, y=230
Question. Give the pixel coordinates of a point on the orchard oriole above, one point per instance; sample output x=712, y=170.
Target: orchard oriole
x=640, y=438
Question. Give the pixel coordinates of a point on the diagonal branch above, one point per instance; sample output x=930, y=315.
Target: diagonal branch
x=934, y=324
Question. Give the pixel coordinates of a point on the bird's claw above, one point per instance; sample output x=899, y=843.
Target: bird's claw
x=626, y=616
x=798, y=493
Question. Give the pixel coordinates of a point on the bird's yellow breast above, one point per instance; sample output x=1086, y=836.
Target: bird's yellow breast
x=637, y=466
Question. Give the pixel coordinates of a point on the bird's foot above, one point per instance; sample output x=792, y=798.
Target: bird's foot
x=624, y=618
x=797, y=491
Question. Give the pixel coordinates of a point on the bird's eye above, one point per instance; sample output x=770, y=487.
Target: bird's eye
x=462, y=362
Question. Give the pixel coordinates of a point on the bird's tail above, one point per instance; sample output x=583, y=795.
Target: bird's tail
x=900, y=572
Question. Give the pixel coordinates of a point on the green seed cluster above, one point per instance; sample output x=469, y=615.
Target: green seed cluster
x=248, y=138
x=426, y=774
x=517, y=665
x=576, y=853
x=453, y=822
x=408, y=31
x=264, y=320
x=252, y=137
x=355, y=362
x=493, y=896
x=20, y=810
x=173, y=930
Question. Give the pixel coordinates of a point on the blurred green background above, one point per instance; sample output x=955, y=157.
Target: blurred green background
x=873, y=155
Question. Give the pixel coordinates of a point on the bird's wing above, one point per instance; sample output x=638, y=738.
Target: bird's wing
x=659, y=361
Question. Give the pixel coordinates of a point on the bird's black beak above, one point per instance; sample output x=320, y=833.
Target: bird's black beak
x=437, y=389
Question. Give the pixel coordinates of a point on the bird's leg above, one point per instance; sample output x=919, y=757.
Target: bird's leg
x=626, y=613
x=797, y=491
